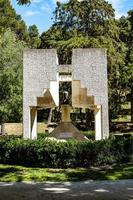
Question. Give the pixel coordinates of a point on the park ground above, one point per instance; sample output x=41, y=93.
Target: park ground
x=85, y=190
x=97, y=183
x=13, y=173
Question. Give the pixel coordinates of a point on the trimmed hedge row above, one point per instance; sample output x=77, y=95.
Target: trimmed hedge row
x=52, y=154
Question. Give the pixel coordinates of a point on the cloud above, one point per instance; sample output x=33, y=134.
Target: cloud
x=36, y=1
x=118, y=5
x=31, y=13
x=46, y=8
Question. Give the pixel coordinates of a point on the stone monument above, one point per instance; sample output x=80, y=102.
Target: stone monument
x=87, y=75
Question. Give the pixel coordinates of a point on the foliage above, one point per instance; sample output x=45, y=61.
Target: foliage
x=42, y=135
x=89, y=134
x=126, y=35
x=34, y=36
x=88, y=24
x=90, y=18
x=10, y=77
x=46, y=153
x=23, y=2
x=9, y=19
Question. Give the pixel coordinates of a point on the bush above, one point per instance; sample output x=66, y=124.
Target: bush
x=42, y=135
x=89, y=134
x=45, y=153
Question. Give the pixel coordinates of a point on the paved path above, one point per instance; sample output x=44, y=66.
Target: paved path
x=87, y=190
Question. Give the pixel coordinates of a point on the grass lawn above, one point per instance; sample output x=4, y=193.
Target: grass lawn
x=13, y=173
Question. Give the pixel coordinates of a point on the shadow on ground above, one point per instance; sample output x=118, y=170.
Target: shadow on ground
x=88, y=190
x=11, y=174
x=18, y=174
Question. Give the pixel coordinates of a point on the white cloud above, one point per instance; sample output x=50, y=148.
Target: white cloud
x=46, y=8
x=118, y=5
x=31, y=13
x=36, y=1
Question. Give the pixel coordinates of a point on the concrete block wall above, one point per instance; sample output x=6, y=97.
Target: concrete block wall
x=90, y=67
x=39, y=68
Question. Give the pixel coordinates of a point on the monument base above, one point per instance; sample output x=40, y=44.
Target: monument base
x=66, y=130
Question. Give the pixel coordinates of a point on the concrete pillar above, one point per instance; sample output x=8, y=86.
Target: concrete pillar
x=26, y=122
x=66, y=110
x=33, y=125
x=98, y=123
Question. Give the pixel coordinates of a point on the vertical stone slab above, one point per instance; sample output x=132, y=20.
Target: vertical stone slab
x=33, y=115
x=26, y=122
x=39, y=68
x=75, y=93
x=90, y=67
x=66, y=110
x=54, y=89
x=98, y=122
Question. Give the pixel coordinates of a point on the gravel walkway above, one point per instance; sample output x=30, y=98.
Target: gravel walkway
x=93, y=190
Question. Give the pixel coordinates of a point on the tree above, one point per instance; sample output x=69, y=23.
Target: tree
x=23, y=2
x=89, y=24
x=10, y=78
x=126, y=35
x=34, y=36
x=92, y=23
x=33, y=31
x=91, y=18
x=9, y=19
x=130, y=58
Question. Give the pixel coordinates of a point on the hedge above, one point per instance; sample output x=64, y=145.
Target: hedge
x=52, y=154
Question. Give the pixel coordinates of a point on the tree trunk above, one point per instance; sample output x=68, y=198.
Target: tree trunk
x=132, y=105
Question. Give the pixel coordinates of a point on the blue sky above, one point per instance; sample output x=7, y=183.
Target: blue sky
x=40, y=12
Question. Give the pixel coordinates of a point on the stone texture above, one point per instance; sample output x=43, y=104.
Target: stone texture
x=39, y=68
x=46, y=101
x=80, y=99
x=89, y=66
x=66, y=110
x=66, y=130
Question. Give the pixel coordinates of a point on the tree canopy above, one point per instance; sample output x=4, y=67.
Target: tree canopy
x=23, y=2
x=9, y=19
x=10, y=77
x=34, y=41
x=88, y=24
x=126, y=35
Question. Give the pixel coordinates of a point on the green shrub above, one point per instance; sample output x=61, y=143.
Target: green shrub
x=89, y=134
x=42, y=135
x=45, y=153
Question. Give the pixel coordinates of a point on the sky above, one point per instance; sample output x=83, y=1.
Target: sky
x=40, y=12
